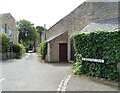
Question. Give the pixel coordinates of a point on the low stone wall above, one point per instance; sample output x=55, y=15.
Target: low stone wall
x=9, y=55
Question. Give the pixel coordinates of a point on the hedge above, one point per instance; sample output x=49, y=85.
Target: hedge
x=99, y=45
x=43, y=48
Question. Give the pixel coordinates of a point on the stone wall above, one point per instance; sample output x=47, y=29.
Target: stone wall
x=10, y=22
x=43, y=36
x=9, y=55
x=83, y=15
x=53, y=47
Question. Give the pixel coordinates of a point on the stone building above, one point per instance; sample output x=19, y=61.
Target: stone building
x=8, y=25
x=94, y=15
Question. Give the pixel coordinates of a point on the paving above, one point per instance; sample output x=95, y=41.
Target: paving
x=30, y=74
x=83, y=83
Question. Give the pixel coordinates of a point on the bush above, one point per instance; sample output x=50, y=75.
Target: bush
x=18, y=49
x=5, y=42
x=99, y=45
x=77, y=68
x=43, y=48
x=23, y=50
x=26, y=45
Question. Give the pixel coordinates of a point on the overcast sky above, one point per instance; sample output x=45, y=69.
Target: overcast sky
x=39, y=12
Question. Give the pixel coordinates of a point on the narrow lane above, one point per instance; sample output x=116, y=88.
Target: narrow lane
x=29, y=74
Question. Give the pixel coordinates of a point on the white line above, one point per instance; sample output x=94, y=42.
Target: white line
x=2, y=79
x=63, y=85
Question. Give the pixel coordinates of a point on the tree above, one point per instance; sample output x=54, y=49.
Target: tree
x=39, y=29
x=28, y=33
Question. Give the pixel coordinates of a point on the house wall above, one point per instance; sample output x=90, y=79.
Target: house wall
x=43, y=36
x=10, y=25
x=79, y=18
x=53, y=47
x=83, y=15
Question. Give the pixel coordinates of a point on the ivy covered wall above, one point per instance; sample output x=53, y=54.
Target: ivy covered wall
x=99, y=45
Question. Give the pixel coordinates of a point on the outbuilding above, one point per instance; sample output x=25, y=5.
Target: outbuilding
x=89, y=16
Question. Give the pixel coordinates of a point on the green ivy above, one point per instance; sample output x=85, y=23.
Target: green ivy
x=99, y=45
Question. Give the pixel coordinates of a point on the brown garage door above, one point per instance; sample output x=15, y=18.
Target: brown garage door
x=63, y=52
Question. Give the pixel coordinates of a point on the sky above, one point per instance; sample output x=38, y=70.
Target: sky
x=39, y=12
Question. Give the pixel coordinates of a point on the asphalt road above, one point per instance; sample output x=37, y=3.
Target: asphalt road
x=29, y=74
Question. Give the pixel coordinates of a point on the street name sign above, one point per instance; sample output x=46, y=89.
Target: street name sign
x=93, y=60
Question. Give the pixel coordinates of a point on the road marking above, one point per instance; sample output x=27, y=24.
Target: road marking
x=2, y=79
x=63, y=84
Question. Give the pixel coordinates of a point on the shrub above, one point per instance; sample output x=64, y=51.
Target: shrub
x=25, y=44
x=99, y=45
x=18, y=49
x=5, y=42
x=23, y=50
x=43, y=48
x=77, y=68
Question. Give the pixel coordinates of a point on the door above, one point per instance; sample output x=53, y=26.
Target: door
x=63, y=52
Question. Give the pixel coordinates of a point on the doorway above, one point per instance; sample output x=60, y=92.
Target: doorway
x=63, y=52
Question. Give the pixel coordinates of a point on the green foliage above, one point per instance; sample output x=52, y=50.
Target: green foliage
x=25, y=44
x=18, y=49
x=99, y=45
x=43, y=48
x=40, y=29
x=5, y=42
x=77, y=68
x=22, y=51
x=28, y=33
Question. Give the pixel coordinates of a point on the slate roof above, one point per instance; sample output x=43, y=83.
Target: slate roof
x=107, y=24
